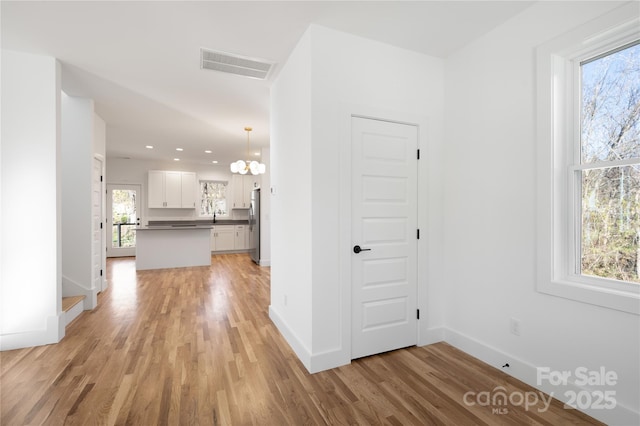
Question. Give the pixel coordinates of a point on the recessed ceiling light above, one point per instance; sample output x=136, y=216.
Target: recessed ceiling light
x=256, y=153
x=149, y=146
x=215, y=162
x=176, y=159
x=208, y=151
x=179, y=149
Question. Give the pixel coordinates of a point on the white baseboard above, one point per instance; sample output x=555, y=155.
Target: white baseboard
x=314, y=363
x=298, y=347
x=431, y=335
x=328, y=360
x=518, y=368
x=73, y=288
x=53, y=333
x=528, y=373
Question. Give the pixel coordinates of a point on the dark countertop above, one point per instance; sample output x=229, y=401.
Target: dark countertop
x=198, y=223
x=172, y=227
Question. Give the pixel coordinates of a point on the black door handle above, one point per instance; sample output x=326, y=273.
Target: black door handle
x=357, y=249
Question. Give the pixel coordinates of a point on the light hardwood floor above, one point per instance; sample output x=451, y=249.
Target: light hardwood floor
x=195, y=346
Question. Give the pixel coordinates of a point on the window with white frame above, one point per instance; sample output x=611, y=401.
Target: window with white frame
x=606, y=165
x=589, y=164
x=213, y=198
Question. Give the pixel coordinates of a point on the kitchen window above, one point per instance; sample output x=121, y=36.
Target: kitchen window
x=213, y=198
x=589, y=164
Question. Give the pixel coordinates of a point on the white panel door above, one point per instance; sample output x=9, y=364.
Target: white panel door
x=384, y=228
x=98, y=247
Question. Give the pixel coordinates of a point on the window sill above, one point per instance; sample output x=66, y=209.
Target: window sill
x=586, y=291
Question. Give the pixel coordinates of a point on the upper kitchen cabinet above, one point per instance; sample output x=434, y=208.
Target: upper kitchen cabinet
x=175, y=190
x=242, y=187
x=188, y=190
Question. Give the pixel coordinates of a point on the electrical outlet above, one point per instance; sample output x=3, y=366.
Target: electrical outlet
x=515, y=326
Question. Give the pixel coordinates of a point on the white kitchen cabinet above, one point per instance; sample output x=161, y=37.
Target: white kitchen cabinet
x=188, y=186
x=222, y=238
x=155, y=189
x=173, y=190
x=214, y=235
x=242, y=187
x=240, y=243
x=168, y=189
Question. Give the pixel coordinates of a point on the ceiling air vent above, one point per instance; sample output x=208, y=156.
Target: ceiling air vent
x=234, y=64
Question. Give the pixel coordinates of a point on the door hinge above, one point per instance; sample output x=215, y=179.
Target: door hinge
x=417, y=233
x=417, y=313
x=100, y=272
x=100, y=178
x=100, y=225
x=418, y=154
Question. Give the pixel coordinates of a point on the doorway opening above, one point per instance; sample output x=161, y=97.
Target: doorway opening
x=123, y=204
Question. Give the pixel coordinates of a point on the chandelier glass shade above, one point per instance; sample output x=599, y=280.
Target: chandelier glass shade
x=249, y=166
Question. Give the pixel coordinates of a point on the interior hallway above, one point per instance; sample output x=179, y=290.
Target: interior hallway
x=196, y=346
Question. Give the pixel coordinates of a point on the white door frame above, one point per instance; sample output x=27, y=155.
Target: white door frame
x=347, y=111
x=103, y=219
x=111, y=252
x=372, y=338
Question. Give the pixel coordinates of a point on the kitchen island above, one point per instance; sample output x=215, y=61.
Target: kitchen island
x=173, y=246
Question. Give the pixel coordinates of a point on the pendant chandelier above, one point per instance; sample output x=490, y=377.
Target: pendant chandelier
x=244, y=167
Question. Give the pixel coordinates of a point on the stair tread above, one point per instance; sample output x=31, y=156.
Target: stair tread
x=70, y=302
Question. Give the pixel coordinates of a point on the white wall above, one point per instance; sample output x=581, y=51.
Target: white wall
x=291, y=200
x=131, y=171
x=265, y=209
x=312, y=102
x=77, y=153
x=490, y=234
x=99, y=135
x=30, y=285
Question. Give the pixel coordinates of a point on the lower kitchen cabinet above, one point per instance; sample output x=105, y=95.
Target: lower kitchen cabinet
x=229, y=237
x=239, y=237
x=223, y=238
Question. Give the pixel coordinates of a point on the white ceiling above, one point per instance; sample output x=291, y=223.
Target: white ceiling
x=139, y=61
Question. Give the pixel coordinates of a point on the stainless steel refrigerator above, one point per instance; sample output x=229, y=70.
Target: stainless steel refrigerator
x=254, y=226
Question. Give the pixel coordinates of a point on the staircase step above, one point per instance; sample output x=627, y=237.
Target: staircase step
x=72, y=307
